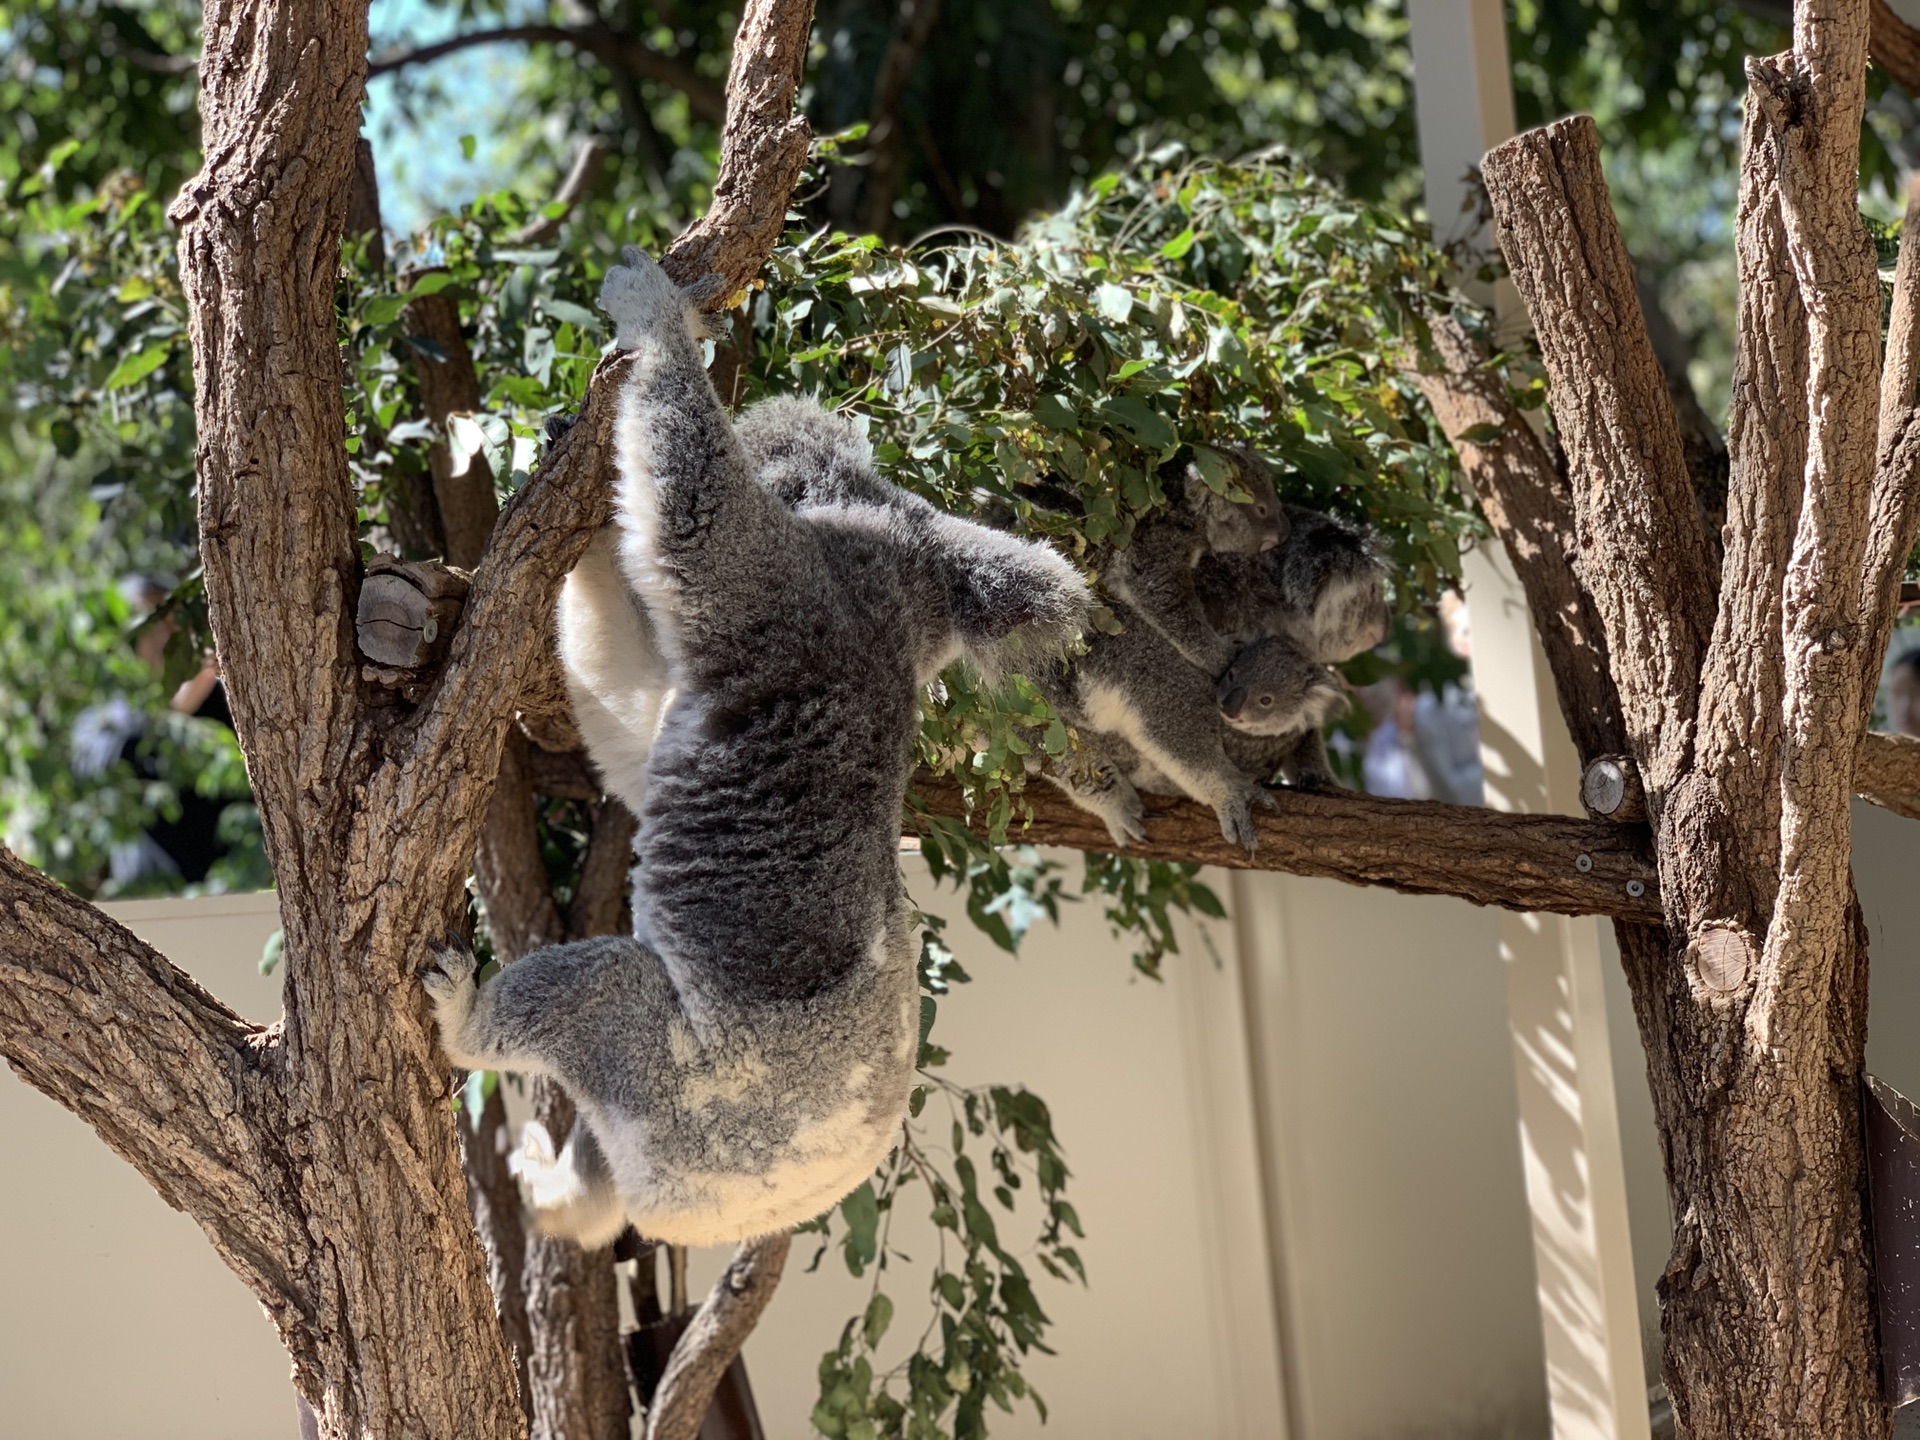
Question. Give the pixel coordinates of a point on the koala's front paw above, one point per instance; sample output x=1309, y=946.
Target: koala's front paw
x=448, y=977
x=1125, y=816
x=641, y=299
x=1236, y=815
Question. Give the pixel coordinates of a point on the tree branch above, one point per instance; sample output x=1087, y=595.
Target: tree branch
x=1814, y=100
x=714, y=1338
x=171, y=1079
x=1517, y=862
x=585, y=169
x=706, y=98
x=1896, y=47
x=1524, y=498
x=505, y=640
x=912, y=28
x=1729, y=812
x=1888, y=773
x=1895, y=514
x=1642, y=555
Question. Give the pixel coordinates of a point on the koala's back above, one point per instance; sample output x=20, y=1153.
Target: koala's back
x=768, y=849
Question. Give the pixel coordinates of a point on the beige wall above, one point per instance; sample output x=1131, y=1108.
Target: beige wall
x=1314, y=1140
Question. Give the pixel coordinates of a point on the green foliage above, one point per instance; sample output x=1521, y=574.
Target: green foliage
x=966, y=1147
x=96, y=470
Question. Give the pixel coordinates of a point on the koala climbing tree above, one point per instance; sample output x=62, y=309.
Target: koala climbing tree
x=319, y=1156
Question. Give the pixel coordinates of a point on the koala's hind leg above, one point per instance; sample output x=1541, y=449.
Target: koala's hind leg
x=469, y=1034
x=1180, y=735
x=703, y=545
x=1094, y=778
x=572, y=1193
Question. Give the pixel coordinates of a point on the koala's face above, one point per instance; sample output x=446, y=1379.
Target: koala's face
x=1272, y=688
x=1236, y=528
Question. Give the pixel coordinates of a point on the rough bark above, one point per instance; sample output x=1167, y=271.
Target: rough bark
x=711, y=1342
x=762, y=149
x=493, y=1195
x=1754, y=1046
x=345, y=1210
x=576, y=1373
x=1420, y=847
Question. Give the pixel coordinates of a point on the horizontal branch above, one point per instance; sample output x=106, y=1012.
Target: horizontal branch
x=1888, y=773
x=707, y=99
x=165, y=1074
x=1517, y=862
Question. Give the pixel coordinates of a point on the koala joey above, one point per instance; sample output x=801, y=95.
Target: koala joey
x=1274, y=702
x=1149, y=721
x=745, y=647
x=1325, y=589
x=1154, y=576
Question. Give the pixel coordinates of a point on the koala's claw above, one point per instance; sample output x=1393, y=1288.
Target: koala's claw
x=1236, y=820
x=449, y=967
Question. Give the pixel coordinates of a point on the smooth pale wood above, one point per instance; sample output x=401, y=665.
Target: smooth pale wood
x=407, y=612
x=1610, y=789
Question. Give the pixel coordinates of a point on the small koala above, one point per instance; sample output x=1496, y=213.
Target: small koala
x=1148, y=721
x=745, y=647
x=1154, y=576
x=1274, y=702
x=1325, y=589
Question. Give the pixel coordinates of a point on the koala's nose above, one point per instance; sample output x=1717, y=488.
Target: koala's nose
x=1233, y=702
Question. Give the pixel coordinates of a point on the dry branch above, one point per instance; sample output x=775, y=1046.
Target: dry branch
x=1517, y=862
x=611, y=49
x=714, y=1338
x=1896, y=47
x=573, y=189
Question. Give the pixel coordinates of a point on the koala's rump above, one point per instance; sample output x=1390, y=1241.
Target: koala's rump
x=739, y=1123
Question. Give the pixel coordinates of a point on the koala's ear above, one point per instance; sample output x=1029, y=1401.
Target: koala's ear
x=1001, y=588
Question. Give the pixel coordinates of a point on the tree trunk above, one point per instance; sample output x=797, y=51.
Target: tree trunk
x=1743, y=703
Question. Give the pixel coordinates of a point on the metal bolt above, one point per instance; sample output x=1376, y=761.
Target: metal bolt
x=1583, y=863
x=1635, y=889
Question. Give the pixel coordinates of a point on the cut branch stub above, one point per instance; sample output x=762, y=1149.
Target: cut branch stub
x=1611, y=790
x=407, y=612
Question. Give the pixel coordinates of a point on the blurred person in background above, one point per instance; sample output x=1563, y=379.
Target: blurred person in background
x=114, y=730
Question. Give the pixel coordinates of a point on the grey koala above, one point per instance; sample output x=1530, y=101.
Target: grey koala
x=1149, y=721
x=1154, y=576
x=752, y=668
x=1274, y=702
x=1325, y=589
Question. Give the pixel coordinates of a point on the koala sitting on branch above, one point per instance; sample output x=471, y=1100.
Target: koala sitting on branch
x=746, y=649
x=1155, y=575
x=1149, y=722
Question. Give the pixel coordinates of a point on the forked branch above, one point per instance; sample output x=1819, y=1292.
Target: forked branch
x=175, y=1082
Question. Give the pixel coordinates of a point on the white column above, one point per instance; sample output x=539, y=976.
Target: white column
x=1563, y=1069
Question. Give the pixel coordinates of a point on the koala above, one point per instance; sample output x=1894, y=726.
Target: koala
x=1325, y=589
x=1149, y=721
x=1154, y=576
x=750, y=639
x=1274, y=702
